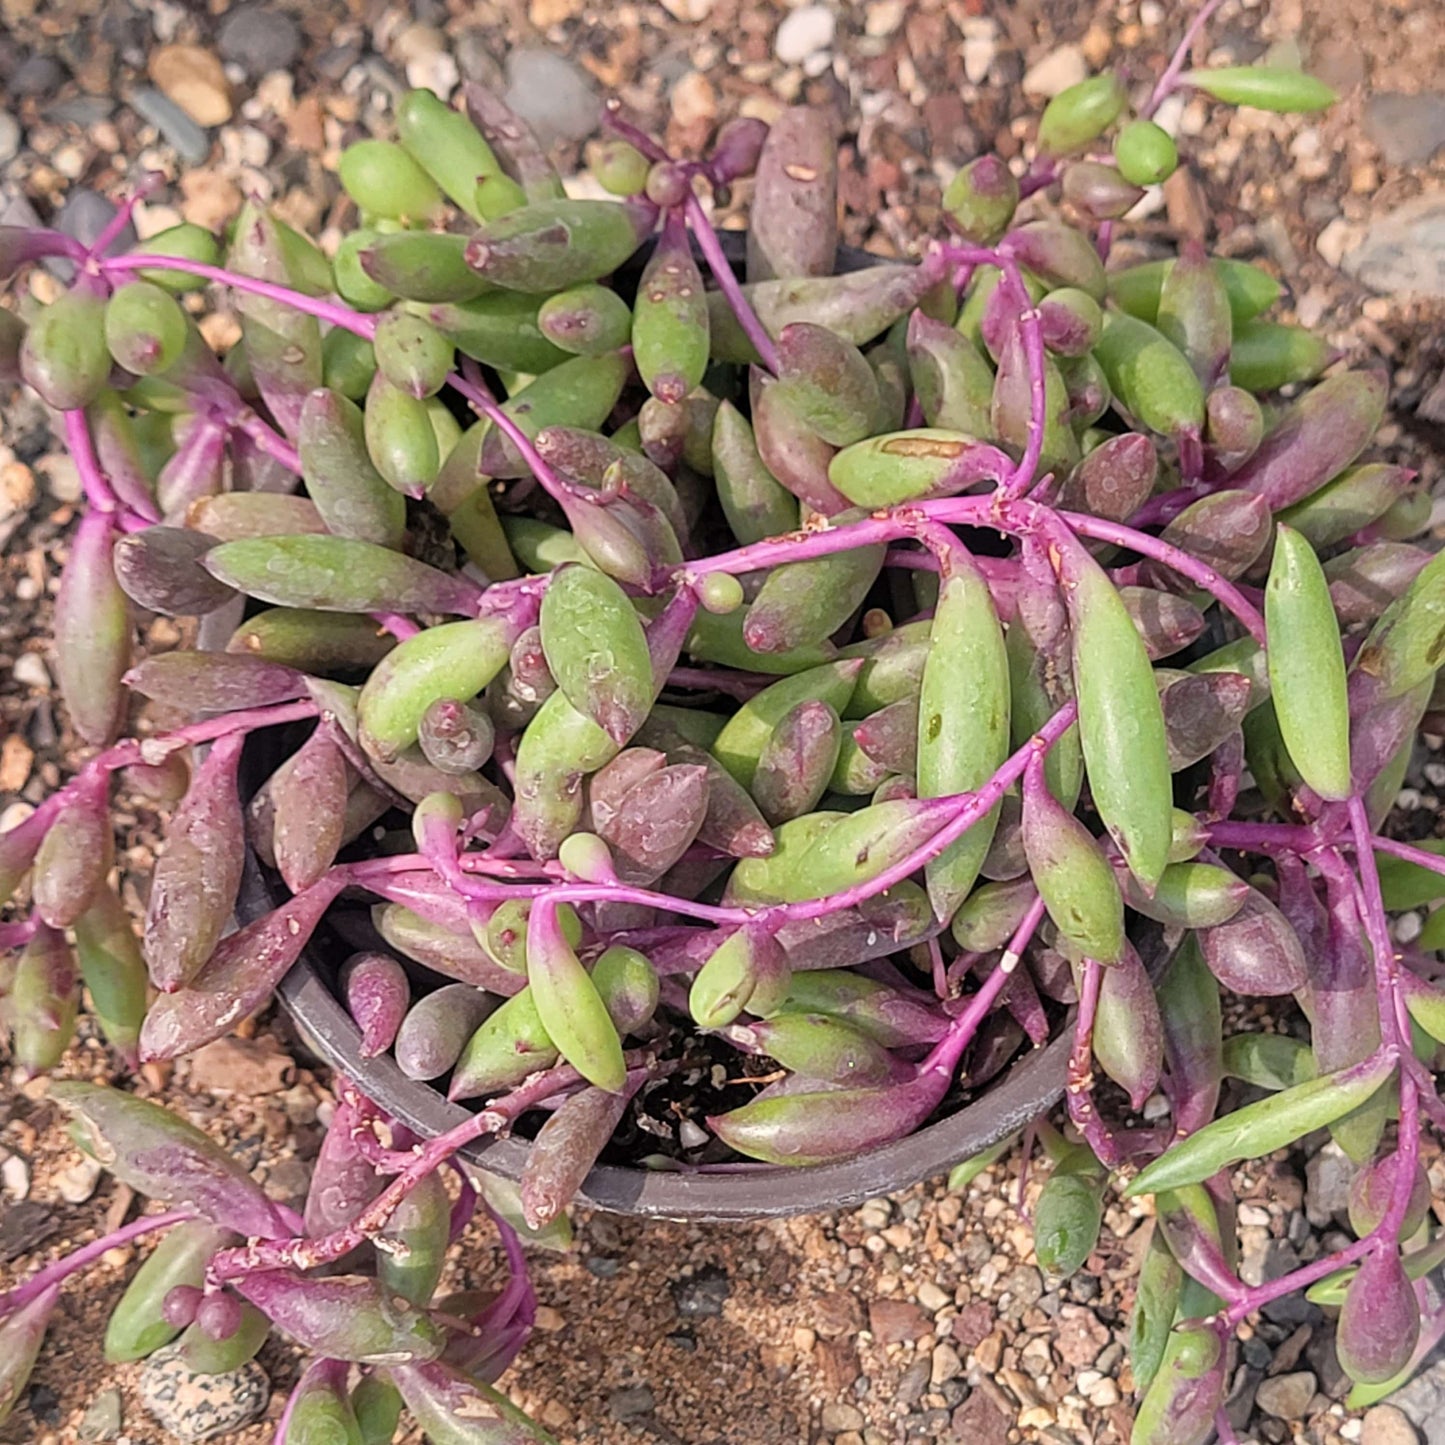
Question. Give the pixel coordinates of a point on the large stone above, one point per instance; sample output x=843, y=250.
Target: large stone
x=1408, y=129
x=1422, y=1401
x=1386, y=1425
x=1404, y=251
x=552, y=95
x=199, y=1407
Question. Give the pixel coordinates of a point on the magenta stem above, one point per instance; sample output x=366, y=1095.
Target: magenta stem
x=149, y=184
x=1396, y=849
x=98, y=492
x=301, y=1253
x=968, y=808
x=1394, y=1018
x=330, y=311
x=722, y=273
x=1170, y=79
x=62, y=1269
x=1031, y=332
x=1176, y=558
x=486, y=404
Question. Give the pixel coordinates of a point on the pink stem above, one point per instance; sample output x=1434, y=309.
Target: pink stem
x=130, y=751
x=330, y=311
x=1196, y=571
x=38, y=1283
x=1167, y=82
x=310, y=1253
x=1033, y=339
x=1394, y=1018
x=267, y=439
x=970, y=808
x=722, y=273
x=634, y=136
x=150, y=183
x=1079, y=1091
x=1396, y=849
x=486, y=404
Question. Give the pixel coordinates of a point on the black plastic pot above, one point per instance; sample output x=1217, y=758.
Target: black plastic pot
x=1027, y=1088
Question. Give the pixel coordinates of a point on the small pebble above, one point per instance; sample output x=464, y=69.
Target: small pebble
x=694, y=100
x=837, y=1416
x=804, y=32
x=259, y=40
x=632, y=1402
x=9, y=136
x=174, y=124
x=1287, y=1397
x=690, y=12
x=1056, y=72
x=701, y=1296
x=193, y=79
x=30, y=671
x=14, y=1177
x=946, y=1365
x=76, y=1184
x=932, y=1298
x=980, y=46
x=36, y=75
x=101, y=1420
x=1386, y=1425
x=1408, y=129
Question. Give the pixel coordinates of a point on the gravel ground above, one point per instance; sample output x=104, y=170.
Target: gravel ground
x=918, y=1317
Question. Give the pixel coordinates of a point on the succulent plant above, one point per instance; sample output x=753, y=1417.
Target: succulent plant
x=848, y=669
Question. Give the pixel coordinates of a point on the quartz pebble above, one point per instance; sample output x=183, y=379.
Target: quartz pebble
x=1056, y=72
x=804, y=32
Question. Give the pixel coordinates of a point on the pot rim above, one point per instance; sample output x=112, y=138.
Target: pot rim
x=1032, y=1084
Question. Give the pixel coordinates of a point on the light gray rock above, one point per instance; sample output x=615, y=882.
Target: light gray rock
x=1404, y=251
x=1408, y=129
x=101, y=1420
x=1327, y=1184
x=552, y=95
x=1422, y=1401
x=804, y=32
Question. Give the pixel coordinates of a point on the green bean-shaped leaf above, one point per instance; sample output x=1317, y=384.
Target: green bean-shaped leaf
x=568, y=1004
x=963, y=719
x=1267, y=87
x=740, y=744
x=1307, y=666
x=1121, y=722
x=1260, y=1128
x=597, y=650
